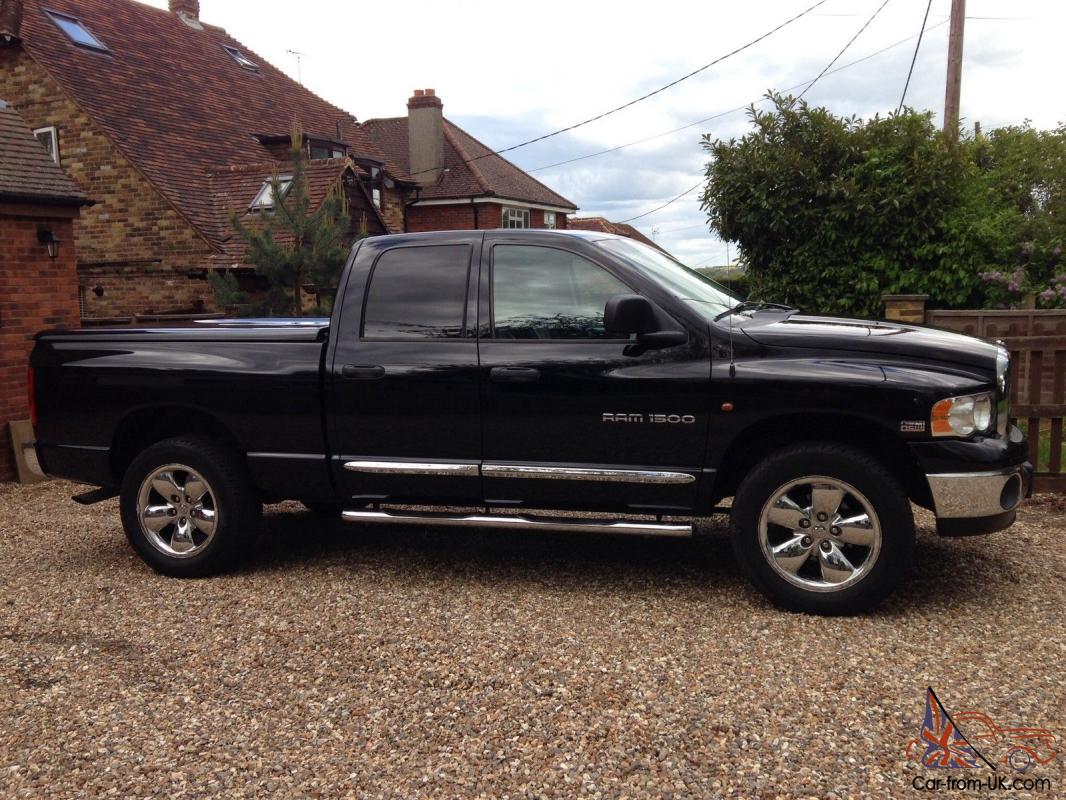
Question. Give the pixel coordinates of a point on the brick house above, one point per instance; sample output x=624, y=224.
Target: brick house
x=603, y=225
x=462, y=184
x=38, y=280
x=171, y=125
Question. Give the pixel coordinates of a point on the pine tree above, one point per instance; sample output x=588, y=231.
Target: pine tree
x=297, y=244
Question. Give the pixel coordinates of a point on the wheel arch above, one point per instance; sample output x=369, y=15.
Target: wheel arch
x=144, y=427
x=762, y=438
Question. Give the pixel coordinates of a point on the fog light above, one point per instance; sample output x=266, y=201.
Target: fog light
x=1012, y=492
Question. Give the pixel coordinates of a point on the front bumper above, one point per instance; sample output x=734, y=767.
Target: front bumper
x=975, y=485
x=970, y=503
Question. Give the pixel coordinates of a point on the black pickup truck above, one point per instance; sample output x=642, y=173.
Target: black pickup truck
x=508, y=371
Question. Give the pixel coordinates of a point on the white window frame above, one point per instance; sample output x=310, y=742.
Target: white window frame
x=53, y=136
x=265, y=199
x=241, y=59
x=549, y=220
x=58, y=18
x=512, y=215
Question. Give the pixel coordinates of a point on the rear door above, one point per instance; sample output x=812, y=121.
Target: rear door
x=404, y=410
x=572, y=417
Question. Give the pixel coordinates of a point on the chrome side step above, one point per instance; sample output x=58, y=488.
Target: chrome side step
x=527, y=523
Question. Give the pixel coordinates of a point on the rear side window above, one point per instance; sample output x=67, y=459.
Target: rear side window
x=546, y=293
x=418, y=293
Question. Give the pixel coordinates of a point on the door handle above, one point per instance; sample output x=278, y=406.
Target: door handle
x=363, y=372
x=514, y=374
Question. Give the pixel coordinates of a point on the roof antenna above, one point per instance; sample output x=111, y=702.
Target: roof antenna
x=299, y=64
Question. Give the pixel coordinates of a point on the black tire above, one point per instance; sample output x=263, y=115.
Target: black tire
x=852, y=467
x=232, y=497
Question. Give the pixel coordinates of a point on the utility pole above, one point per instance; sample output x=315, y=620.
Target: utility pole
x=954, y=84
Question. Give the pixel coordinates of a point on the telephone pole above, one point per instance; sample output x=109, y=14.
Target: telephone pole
x=954, y=84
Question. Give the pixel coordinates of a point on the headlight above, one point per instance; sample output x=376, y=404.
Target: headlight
x=962, y=416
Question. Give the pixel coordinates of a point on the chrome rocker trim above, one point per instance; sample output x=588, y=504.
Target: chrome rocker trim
x=525, y=523
x=968, y=495
x=586, y=474
x=446, y=469
x=413, y=468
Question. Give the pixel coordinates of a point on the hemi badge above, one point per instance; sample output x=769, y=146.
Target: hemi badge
x=912, y=426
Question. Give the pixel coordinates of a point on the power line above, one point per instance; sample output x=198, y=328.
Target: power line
x=633, y=102
x=914, y=58
x=720, y=114
x=849, y=44
x=664, y=205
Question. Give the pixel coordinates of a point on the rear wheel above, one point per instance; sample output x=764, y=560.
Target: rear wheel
x=188, y=507
x=822, y=528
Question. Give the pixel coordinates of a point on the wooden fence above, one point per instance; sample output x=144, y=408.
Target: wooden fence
x=1038, y=398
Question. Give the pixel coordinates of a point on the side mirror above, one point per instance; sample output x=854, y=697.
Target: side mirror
x=628, y=313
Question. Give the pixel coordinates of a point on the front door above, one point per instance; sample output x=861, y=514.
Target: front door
x=571, y=417
x=405, y=416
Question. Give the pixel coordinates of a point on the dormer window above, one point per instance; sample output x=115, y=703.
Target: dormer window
x=266, y=199
x=320, y=149
x=76, y=31
x=241, y=58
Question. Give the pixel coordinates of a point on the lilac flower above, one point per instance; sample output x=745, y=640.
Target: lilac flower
x=1047, y=295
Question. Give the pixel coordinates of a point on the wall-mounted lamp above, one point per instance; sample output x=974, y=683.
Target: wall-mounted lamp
x=48, y=238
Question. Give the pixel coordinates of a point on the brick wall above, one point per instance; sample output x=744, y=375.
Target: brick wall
x=392, y=209
x=462, y=217
x=132, y=223
x=35, y=293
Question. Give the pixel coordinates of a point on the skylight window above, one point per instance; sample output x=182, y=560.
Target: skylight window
x=266, y=199
x=241, y=58
x=76, y=31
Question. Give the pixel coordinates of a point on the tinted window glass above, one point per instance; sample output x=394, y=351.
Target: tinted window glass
x=544, y=293
x=418, y=293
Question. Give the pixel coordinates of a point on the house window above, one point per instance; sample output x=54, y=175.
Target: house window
x=49, y=139
x=549, y=220
x=76, y=31
x=375, y=192
x=266, y=199
x=326, y=150
x=241, y=58
x=515, y=218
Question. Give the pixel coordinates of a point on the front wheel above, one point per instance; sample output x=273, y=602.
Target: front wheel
x=822, y=528
x=188, y=507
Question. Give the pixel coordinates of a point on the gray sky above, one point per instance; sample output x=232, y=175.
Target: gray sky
x=510, y=71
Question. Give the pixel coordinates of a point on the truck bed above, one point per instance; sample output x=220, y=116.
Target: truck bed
x=256, y=383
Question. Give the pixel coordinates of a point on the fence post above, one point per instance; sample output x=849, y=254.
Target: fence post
x=905, y=307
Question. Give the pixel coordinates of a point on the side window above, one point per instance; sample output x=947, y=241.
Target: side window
x=418, y=293
x=544, y=293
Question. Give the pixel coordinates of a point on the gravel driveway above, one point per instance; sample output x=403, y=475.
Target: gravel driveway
x=380, y=662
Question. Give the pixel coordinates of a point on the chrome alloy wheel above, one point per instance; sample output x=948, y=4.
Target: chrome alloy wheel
x=177, y=511
x=820, y=534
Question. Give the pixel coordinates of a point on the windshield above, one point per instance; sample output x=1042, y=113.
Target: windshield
x=704, y=295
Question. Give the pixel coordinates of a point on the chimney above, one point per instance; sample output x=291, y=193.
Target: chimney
x=10, y=22
x=186, y=8
x=425, y=136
